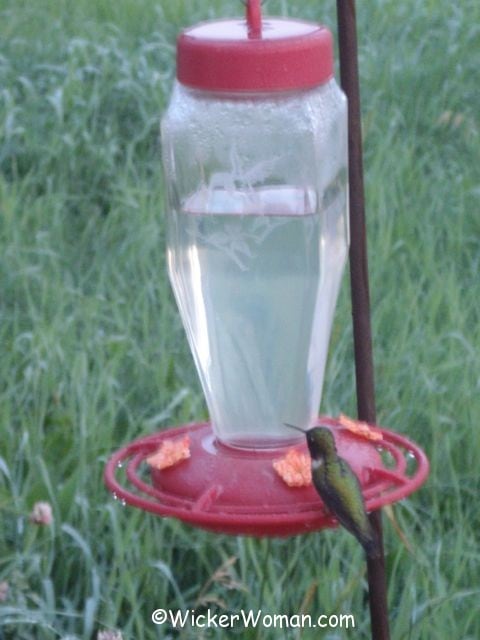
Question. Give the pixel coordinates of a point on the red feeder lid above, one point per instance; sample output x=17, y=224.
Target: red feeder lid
x=273, y=54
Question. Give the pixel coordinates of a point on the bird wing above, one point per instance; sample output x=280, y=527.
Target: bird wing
x=343, y=496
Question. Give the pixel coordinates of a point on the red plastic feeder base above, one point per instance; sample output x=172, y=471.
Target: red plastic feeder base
x=238, y=492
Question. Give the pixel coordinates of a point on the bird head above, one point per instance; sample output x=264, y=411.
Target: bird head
x=320, y=441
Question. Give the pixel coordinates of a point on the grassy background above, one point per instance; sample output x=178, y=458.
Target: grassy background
x=93, y=353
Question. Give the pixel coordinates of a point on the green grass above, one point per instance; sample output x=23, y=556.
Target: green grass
x=93, y=353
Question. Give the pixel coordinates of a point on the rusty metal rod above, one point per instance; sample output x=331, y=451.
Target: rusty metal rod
x=362, y=335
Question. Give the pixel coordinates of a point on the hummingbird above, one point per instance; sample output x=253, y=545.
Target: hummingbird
x=339, y=488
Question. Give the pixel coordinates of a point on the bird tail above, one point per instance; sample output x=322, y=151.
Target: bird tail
x=371, y=544
x=372, y=548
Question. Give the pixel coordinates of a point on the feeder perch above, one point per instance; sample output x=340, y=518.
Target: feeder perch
x=238, y=492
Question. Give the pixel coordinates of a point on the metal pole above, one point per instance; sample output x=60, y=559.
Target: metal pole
x=362, y=336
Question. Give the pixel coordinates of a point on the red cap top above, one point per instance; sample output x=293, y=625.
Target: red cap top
x=253, y=55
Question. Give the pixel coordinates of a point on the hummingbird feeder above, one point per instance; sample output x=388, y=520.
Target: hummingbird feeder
x=262, y=155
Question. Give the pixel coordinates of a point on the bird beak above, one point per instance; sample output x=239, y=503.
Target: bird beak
x=292, y=426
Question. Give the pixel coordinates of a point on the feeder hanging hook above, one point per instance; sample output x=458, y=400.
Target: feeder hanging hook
x=254, y=17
